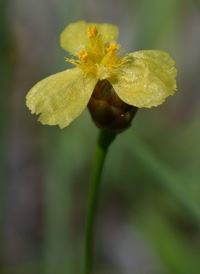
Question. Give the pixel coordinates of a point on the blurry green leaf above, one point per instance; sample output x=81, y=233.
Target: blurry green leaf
x=168, y=243
x=6, y=70
x=159, y=22
x=167, y=177
x=66, y=153
x=34, y=268
x=197, y=2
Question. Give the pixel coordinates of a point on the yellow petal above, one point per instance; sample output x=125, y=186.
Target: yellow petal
x=62, y=97
x=109, y=32
x=147, y=79
x=74, y=36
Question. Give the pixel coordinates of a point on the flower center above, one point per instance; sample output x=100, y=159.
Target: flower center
x=97, y=56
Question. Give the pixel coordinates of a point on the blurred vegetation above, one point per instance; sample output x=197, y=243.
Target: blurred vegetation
x=149, y=213
x=6, y=70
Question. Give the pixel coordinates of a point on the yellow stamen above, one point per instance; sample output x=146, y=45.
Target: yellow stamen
x=83, y=56
x=112, y=49
x=92, y=32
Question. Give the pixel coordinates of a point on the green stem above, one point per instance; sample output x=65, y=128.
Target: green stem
x=103, y=143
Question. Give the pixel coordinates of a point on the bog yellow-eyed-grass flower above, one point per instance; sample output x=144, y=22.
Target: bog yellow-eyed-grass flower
x=141, y=79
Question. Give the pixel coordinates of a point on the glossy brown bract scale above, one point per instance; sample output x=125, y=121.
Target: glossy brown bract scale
x=108, y=111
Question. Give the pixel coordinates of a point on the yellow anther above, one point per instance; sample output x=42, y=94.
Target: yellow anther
x=92, y=32
x=112, y=49
x=83, y=56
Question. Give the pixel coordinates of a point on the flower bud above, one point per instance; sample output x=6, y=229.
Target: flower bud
x=108, y=111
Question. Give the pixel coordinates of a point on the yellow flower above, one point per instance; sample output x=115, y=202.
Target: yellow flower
x=141, y=79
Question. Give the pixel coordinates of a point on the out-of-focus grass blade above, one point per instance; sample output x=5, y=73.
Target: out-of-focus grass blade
x=6, y=70
x=168, y=243
x=69, y=152
x=33, y=268
x=159, y=22
x=197, y=3
x=166, y=176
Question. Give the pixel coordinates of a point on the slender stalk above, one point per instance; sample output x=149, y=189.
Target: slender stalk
x=103, y=143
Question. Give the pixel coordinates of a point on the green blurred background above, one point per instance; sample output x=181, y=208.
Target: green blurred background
x=149, y=212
